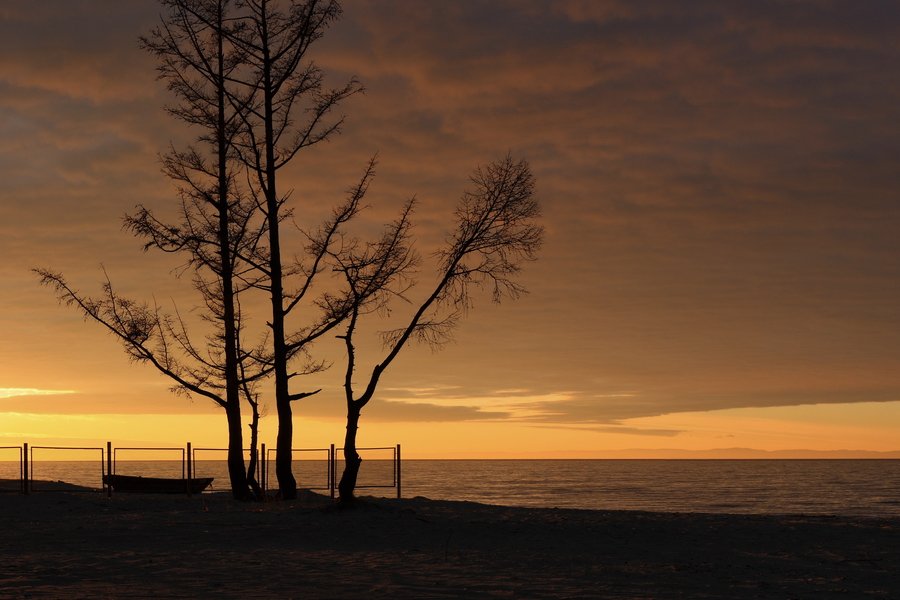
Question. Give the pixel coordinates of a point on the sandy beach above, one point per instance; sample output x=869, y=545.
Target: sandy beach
x=84, y=545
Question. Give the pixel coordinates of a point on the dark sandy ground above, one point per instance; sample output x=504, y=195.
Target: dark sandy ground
x=77, y=545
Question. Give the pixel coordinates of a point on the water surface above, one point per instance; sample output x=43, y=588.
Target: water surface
x=845, y=487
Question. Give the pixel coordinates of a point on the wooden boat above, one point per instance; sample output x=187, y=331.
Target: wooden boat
x=155, y=485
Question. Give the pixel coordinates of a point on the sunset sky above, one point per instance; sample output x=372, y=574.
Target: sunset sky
x=720, y=186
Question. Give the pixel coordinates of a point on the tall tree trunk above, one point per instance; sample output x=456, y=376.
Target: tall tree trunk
x=229, y=322
x=287, y=485
x=352, y=460
x=236, y=473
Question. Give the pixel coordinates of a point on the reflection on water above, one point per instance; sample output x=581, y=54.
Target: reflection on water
x=849, y=487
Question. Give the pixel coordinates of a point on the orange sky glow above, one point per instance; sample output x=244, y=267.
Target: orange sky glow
x=721, y=269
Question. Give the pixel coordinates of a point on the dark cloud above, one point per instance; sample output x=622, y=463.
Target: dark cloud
x=718, y=180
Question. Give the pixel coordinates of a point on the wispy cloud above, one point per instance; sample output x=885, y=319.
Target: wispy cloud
x=425, y=391
x=19, y=392
x=616, y=429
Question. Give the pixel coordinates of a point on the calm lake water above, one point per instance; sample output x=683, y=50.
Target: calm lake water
x=844, y=487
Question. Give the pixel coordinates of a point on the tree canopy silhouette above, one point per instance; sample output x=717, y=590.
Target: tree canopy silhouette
x=495, y=232
x=243, y=78
x=285, y=108
x=216, y=226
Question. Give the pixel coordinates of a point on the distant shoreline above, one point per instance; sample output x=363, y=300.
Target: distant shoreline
x=886, y=456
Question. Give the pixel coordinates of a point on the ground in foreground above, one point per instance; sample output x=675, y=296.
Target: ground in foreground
x=72, y=545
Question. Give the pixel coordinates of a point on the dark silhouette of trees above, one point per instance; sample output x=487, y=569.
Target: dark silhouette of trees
x=241, y=72
x=214, y=229
x=288, y=110
x=495, y=233
x=242, y=76
x=217, y=224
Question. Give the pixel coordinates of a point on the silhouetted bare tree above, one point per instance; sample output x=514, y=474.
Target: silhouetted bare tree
x=495, y=233
x=289, y=110
x=215, y=227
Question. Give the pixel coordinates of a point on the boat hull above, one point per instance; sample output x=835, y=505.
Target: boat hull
x=155, y=485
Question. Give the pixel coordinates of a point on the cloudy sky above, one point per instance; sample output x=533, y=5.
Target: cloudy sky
x=720, y=190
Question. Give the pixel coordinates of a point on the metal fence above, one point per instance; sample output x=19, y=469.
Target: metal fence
x=313, y=468
x=29, y=463
x=308, y=468
x=193, y=461
x=17, y=465
x=165, y=450
x=379, y=465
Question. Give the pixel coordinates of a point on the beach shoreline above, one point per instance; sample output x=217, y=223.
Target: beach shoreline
x=81, y=545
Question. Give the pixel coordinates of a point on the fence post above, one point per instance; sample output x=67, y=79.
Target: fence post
x=399, y=488
x=331, y=471
x=264, y=471
x=25, y=479
x=108, y=481
x=258, y=465
x=190, y=466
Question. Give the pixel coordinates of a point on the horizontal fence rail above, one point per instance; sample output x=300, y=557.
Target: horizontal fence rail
x=248, y=454
x=313, y=468
x=361, y=483
x=299, y=470
x=172, y=449
x=29, y=471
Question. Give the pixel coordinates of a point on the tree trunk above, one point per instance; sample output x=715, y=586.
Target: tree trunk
x=352, y=460
x=236, y=473
x=252, y=481
x=232, y=393
x=287, y=485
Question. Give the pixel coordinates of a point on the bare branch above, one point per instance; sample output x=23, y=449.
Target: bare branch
x=137, y=326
